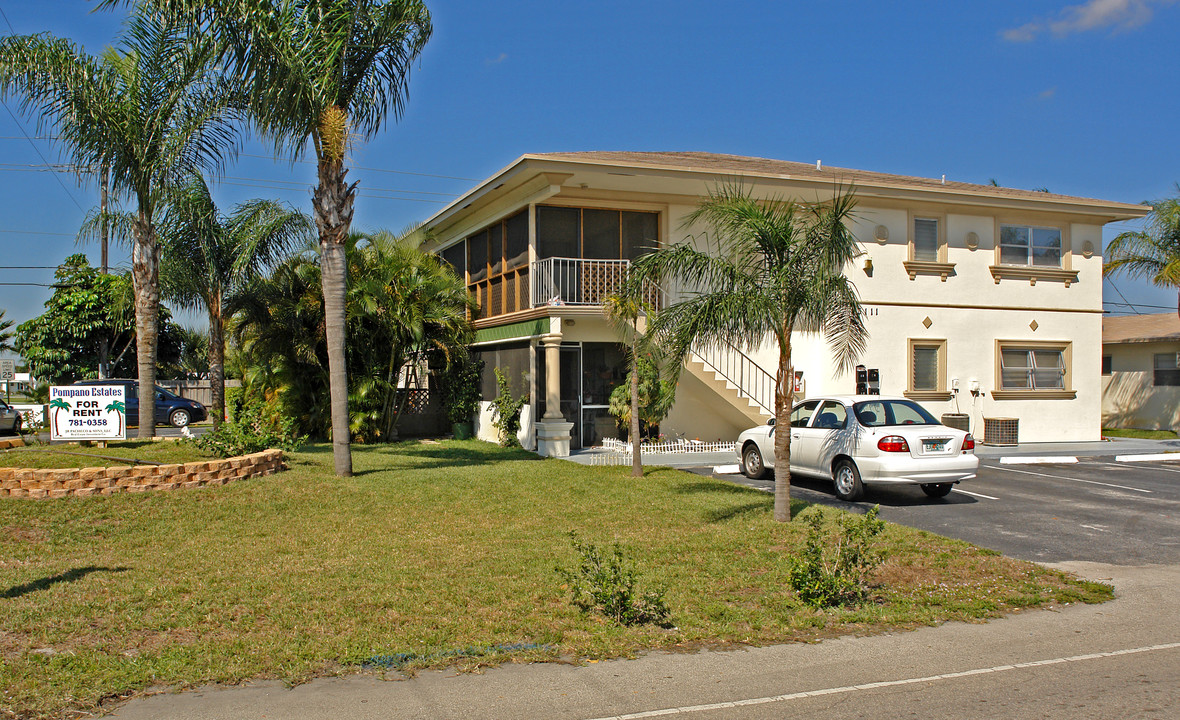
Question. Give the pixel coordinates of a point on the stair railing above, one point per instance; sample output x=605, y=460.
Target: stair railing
x=751, y=379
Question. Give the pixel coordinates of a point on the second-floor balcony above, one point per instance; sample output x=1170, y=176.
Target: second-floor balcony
x=555, y=282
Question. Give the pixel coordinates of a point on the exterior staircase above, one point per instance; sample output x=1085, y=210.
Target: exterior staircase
x=745, y=386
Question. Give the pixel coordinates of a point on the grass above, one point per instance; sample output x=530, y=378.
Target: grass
x=68, y=455
x=1141, y=434
x=432, y=554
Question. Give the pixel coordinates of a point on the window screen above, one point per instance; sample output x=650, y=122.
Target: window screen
x=925, y=239
x=925, y=367
x=456, y=257
x=516, y=241
x=640, y=233
x=477, y=256
x=600, y=234
x=558, y=232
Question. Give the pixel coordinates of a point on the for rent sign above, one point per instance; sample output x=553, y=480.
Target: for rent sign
x=88, y=412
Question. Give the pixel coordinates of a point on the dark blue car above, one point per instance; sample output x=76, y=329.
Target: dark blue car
x=171, y=409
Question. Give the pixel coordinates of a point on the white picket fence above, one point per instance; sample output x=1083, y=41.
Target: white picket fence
x=674, y=446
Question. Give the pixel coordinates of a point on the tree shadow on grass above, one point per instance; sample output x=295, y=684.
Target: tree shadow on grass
x=413, y=455
x=47, y=582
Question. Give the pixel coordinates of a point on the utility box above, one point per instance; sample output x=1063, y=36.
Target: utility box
x=1001, y=431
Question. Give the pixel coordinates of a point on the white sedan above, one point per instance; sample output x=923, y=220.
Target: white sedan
x=862, y=440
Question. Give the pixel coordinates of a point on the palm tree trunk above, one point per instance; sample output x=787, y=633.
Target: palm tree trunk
x=784, y=398
x=333, y=215
x=636, y=458
x=145, y=274
x=217, y=361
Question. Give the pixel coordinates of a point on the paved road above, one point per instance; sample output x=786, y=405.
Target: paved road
x=1101, y=519
x=1096, y=510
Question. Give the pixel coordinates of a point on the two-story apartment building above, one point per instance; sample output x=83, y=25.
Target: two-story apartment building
x=980, y=300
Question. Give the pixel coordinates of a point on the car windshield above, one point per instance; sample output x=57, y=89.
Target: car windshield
x=878, y=413
x=167, y=394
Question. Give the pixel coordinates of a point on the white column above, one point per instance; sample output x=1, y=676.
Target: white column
x=553, y=432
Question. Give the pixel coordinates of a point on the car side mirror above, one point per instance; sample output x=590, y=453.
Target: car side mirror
x=771, y=421
x=159, y=396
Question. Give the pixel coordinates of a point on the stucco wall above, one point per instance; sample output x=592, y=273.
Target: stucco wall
x=1129, y=397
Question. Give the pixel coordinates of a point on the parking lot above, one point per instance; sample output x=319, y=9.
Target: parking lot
x=1099, y=510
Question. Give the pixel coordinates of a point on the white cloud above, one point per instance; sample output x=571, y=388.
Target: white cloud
x=496, y=60
x=1120, y=15
x=1047, y=94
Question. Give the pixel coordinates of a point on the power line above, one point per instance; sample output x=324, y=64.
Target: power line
x=1120, y=292
x=36, y=232
x=1138, y=305
x=21, y=127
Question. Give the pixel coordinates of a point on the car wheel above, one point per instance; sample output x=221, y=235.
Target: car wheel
x=847, y=480
x=937, y=490
x=179, y=418
x=16, y=425
x=752, y=463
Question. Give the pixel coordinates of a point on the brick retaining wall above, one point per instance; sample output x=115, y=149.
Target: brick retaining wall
x=20, y=482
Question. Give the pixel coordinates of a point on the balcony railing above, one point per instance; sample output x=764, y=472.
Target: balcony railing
x=580, y=281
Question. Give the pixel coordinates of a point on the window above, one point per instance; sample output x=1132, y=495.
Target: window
x=1105, y=364
x=927, y=380
x=1029, y=245
x=497, y=263
x=882, y=413
x=456, y=257
x=802, y=413
x=1022, y=369
x=832, y=416
x=926, y=239
x=595, y=234
x=1165, y=370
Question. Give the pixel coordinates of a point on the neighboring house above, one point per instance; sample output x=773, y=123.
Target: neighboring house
x=980, y=300
x=1140, y=379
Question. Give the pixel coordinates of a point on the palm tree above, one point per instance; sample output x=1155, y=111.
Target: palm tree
x=57, y=405
x=623, y=310
x=117, y=406
x=208, y=256
x=152, y=112
x=328, y=72
x=1154, y=252
x=775, y=267
x=5, y=335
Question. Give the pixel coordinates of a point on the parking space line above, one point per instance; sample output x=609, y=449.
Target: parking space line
x=978, y=495
x=689, y=709
x=1060, y=477
x=1153, y=467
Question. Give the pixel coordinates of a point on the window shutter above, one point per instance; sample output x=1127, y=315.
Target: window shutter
x=925, y=368
x=926, y=239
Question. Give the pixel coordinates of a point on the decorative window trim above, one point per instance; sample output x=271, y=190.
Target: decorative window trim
x=1064, y=393
x=1032, y=274
x=914, y=268
x=940, y=391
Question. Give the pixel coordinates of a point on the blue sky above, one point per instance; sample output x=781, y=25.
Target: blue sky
x=1076, y=97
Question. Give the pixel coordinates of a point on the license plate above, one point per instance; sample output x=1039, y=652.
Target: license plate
x=933, y=445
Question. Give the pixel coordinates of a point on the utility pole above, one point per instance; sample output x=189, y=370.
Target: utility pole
x=104, y=348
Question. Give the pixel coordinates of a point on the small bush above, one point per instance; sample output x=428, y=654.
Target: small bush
x=605, y=581
x=832, y=569
x=254, y=425
x=506, y=411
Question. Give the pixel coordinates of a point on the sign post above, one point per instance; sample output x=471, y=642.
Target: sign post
x=87, y=412
x=8, y=375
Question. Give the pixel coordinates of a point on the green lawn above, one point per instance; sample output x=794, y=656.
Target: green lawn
x=431, y=554
x=68, y=455
x=1143, y=434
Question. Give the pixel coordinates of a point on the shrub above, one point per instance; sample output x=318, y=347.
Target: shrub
x=506, y=411
x=254, y=425
x=606, y=581
x=832, y=569
x=459, y=388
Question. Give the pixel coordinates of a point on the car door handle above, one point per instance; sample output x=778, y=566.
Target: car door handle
x=795, y=435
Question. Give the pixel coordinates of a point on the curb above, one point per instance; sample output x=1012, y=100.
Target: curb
x=1147, y=458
